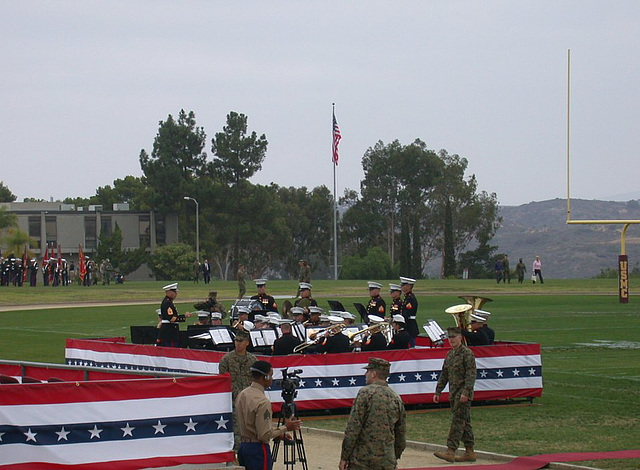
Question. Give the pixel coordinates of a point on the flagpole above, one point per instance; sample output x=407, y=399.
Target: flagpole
x=335, y=202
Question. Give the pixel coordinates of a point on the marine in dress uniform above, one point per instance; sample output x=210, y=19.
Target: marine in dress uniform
x=168, y=334
x=305, y=300
x=375, y=436
x=254, y=416
x=491, y=334
x=409, y=308
x=376, y=341
x=400, y=338
x=336, y=342
x=459, y=371
x=395, y=291
x=377, y=305
x=268, y=303
x=286, y=343
x=477, y=336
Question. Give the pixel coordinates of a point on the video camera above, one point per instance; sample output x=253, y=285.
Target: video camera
x=289, y=382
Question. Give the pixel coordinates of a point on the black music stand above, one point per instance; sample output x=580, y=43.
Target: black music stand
x=362, y=311
x=144, y=334
x=336, y=305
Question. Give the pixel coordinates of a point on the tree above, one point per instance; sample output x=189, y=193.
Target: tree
x=5, y=193
x=376, y=264
x=123, y=261
x=7, y=219
x=131, y=190
x=173, y=262
x=175, y=163
x=237, y=156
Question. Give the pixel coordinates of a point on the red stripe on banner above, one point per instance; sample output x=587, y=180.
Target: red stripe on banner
x=130, y=464
x=115, y=390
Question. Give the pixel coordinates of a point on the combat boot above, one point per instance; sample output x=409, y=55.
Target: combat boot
x=468, y=456
x=449, y=455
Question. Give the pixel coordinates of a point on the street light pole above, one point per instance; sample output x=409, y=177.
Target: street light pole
x=187, y=198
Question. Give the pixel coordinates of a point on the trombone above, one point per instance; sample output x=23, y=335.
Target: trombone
x=319, y=336
x=385, y=327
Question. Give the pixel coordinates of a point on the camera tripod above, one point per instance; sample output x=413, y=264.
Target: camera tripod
x=293, y=448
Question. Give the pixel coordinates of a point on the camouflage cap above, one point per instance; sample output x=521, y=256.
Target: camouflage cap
x=213, y=293
x=377, y=363
x=242, y=335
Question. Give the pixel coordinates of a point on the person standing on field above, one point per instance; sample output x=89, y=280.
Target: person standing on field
x=459, y=371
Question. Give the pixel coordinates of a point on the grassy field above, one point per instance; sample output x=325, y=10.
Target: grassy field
x=590, y=351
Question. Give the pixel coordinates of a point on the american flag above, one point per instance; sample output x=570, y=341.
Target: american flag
x=124, y=424
x=506, y=370
x=336, y=140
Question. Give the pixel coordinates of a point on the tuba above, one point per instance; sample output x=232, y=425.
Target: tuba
x=462, y=315
x=475, y=300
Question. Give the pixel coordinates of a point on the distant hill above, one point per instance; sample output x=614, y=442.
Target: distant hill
x=568, y=251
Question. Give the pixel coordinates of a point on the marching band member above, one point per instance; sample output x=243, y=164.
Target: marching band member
x=400, y=338
x=377, y=305
x=410, y=308
x=268, y=302
x=395, y=291
x=376, y=340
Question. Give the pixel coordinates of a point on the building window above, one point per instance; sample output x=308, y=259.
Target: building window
x=90, y=236
x=145, y=227
x=161, y=232
x=105, y=226
x=51, y=228
x=35, y=228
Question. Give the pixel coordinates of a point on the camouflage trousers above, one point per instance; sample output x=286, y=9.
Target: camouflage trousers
x=461, y=429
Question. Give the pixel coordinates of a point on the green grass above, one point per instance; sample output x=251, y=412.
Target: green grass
x=590, y=351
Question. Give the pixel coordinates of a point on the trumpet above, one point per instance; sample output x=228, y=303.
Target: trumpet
x=236, y=324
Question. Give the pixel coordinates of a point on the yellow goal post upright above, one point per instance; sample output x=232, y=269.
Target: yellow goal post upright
x=623, y=262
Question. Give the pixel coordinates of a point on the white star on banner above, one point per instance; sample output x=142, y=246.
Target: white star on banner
x=516, y=372
x=500, y=373
x=191, y=426
x=418, y=377
x=62, y=434
x=301, y=383
x=483, y=373
x=1, y=434
x=222, y=423
x=318, y=383
x=434, y=375
x=335, y=382
x=402, y=377
x=159, y=427
x=31, y=436
x=352, y=381
x=127, y=430
x=532, y=371
x=95, y=432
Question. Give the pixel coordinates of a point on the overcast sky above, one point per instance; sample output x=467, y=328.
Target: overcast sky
x=84, y=85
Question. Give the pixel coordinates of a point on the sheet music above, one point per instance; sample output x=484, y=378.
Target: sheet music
x=299, y=331
x=256, y=338
x=269, y=336
x=220, y=335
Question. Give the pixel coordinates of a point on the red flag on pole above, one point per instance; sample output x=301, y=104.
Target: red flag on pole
x=45, y=258
x=25, y=264
x=82, y=265
x=336, y=140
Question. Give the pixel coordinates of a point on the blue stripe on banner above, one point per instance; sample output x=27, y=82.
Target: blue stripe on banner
x=408, y=377
x=117, y=430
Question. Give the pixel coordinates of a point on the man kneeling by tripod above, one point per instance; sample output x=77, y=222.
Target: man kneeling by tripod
x=253, y=410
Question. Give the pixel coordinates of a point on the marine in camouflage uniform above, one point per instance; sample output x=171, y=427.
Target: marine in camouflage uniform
x=459, y=370
x=375, y=436
x=242, y=285
x=211, y=304
x=237, y=363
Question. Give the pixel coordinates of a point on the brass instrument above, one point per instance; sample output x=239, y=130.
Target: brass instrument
x=385, y=327
x=236, y=324
x=462, y=315
x=475, y=300
x=319, y=336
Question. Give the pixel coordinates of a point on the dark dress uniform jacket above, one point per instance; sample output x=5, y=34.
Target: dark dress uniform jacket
x=285, y=344
x=400, y=340
x=396, y=307
x=409, y=312
x=375, y=342
x=476, y=338
x=337, y=343
x=377, y=306
x=268, y=303
x=168, y=332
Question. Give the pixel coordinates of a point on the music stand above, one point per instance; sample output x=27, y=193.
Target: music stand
x=144, y=334
x=336, y=305
x=435, y=332
x=362, y=311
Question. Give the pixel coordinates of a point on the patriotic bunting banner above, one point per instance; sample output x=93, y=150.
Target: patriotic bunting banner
x=505, y=370
x=124, y=424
